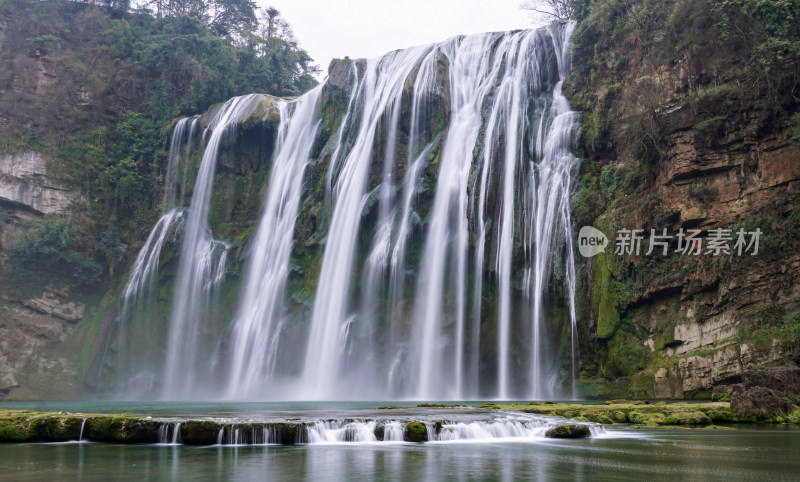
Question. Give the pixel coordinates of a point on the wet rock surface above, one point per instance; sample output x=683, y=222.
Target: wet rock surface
x=569, y=431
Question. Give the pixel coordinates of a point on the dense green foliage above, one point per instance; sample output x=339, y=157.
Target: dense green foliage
x=96, y=87
x=53, y=247
x=733, y=54
x=770, y=27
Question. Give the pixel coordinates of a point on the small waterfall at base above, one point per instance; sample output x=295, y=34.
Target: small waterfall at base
x=165, y=437
x=255, y=435
x=393, y=432
x=176, y=434
x=506, y=428
x=80, y=434
x=467, y=427
x=339, y=431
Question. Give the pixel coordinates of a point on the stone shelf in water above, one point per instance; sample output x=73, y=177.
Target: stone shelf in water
x=25, y=426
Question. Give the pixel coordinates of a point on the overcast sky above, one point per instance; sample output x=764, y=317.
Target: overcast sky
x=370, y=28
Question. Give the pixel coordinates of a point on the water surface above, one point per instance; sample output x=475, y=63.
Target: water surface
x=653, y=455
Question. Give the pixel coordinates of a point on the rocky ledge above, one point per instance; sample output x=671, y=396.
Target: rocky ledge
x=29, y=426
x=659, y=413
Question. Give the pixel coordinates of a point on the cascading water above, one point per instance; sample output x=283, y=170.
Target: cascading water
x=145, y=267
x=550, y=187
x=379, y=88
x=135, y=373
x=256, y=328
x=512, y=73
x=180, y=149
x=442, y=281
x=447, y=179
x=337, y=431
x=80, y=434
x=202, y=259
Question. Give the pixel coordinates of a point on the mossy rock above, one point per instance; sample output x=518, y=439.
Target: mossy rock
x=416, y=432
x=605, y=299
x=380, y=432
x=61, y=429
x=619, y=416
x=200, y=432
x=12, y=430
x=721, y=397
x=569, y=430
x=288, y=433
x=121, y=429
x=646, y=418
x=720, y=414
x=687, y=418
x=37, y=427
x=604, y=419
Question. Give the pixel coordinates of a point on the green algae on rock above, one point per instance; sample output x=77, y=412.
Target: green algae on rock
x=569, y=430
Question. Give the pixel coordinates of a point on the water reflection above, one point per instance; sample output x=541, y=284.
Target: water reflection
x=685, y=454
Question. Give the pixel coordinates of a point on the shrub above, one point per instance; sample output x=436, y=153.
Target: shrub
x=52, y=252
x=703, y=192
x=710, y=127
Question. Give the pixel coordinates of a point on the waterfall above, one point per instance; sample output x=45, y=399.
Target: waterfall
x=180, y=149
x=256, y=328
x=341, y=431
x=393, y=431
x=550, y=199
x=234, y=435
x=202, y=258
x=440, y=368
x=176, y=434
x=380, y=87
x=432, y=187
x=145, y=267
x=138, y=294
x=80, y=434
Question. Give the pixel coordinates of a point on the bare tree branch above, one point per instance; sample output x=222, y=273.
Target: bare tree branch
x=551, y=9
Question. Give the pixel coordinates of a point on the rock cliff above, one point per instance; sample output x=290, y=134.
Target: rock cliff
x=683, y=131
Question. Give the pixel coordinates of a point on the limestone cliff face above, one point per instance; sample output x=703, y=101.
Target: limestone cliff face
x=39, y=342
x=38, y=346
x=720, y=302
x=24, y=181
x=674, y=138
